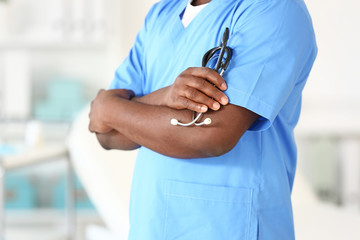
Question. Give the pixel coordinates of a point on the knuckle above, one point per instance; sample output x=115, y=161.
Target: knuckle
x=186, y=103
x=190, y=69
x=173, y=101
x=208, y=71
x=201, y=84
x=209, y=102
x=204, y=84
x=191, y=93
x=181, y=78
x=177, y=92
x=219, y=95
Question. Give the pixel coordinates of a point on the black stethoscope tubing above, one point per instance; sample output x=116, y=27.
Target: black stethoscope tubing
x=222, y=48
x=220, y=64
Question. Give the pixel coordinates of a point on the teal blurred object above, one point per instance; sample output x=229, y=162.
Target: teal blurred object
x=6, y=149
x=20, y=194
x=82, y=200
x=65, y=98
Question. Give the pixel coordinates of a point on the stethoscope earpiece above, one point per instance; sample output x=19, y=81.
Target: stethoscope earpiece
x=207, y=121
x=175, y=122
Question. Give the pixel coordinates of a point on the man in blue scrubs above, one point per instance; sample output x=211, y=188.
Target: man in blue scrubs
x=231, y=179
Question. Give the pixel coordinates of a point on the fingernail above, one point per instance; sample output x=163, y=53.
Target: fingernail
x=224, y=100
x=203, y=108
x=223, y=86
x=216, y=105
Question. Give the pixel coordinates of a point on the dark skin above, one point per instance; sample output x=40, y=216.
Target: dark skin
x=199, y=2
x=183, y=94
x=123, y=122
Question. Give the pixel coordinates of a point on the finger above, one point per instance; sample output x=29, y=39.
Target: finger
x=209, y=90
x=210, y=75
x=200, y=98
x=90, y=128
x=100, y=91
x=185, y=103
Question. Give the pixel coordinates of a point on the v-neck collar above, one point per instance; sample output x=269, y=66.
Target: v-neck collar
x=182, y=8
x=191, y=12
x=178, y=30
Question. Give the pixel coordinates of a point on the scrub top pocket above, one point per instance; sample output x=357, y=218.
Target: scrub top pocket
x=195, y=211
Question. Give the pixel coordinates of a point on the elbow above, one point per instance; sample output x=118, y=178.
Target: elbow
x=105, y=146
x=218, y=147
x=102, y=142
x=219, y=151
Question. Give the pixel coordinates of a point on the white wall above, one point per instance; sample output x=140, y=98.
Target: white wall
x=56, y=49
x=329, y=127
x=336, y=73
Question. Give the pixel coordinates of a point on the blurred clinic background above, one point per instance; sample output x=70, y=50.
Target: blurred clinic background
x=57, y=183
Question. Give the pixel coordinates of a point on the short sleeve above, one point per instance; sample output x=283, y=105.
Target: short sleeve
x=130, y=73
x=273, y=44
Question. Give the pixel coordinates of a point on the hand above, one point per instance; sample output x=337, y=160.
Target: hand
x=197, y=89
x=101, y=108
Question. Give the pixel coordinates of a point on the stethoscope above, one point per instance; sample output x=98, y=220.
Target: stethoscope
x=220, y=67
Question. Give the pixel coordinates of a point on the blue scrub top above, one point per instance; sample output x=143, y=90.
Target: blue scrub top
x=244, y=194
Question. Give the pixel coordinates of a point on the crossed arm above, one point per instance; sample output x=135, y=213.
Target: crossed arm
x=123, y=122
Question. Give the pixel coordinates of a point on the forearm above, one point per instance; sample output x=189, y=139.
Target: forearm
x=145, y=121
x=149, y=126
x=116, y=140
x=155, y=98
